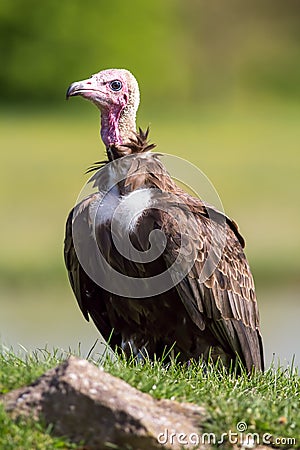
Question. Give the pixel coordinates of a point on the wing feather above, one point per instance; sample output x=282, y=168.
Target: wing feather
x=226, y=301
x=91, y=298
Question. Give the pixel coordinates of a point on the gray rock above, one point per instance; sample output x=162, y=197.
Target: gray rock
x=88, y=405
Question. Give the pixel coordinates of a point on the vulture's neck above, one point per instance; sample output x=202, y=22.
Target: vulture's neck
x=118, y=126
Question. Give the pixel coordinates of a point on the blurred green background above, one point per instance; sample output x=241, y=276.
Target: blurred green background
x=220, y=86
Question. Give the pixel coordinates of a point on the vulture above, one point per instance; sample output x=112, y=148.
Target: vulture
x=154, y=267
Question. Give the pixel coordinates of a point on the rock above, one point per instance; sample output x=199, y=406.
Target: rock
x=88, y=405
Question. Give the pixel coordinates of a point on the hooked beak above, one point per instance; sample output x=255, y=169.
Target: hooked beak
x=85, y=88
x=72, y=90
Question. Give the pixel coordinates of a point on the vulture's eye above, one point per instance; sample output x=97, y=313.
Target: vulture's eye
x=115, y=85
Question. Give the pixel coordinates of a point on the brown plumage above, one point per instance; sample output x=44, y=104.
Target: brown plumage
x=215, y=314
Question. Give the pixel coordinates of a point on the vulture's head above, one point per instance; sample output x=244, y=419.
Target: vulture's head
x=111, y=88
x=116, y=93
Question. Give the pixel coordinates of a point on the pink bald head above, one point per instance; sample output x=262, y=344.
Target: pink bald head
x=116, y=93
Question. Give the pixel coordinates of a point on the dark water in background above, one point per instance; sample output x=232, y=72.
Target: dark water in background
x=51, y=318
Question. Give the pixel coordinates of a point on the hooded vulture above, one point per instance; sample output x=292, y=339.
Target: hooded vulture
x=154, y=267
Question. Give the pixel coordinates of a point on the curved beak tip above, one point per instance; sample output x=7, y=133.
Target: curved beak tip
x=69, y=92
x=73, y=89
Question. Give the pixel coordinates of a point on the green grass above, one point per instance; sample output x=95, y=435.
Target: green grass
x=26, y=434
x=267, y=402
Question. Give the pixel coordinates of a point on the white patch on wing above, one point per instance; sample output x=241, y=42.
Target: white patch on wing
x=123, y=211
x=133, y=206
x=107, y=206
